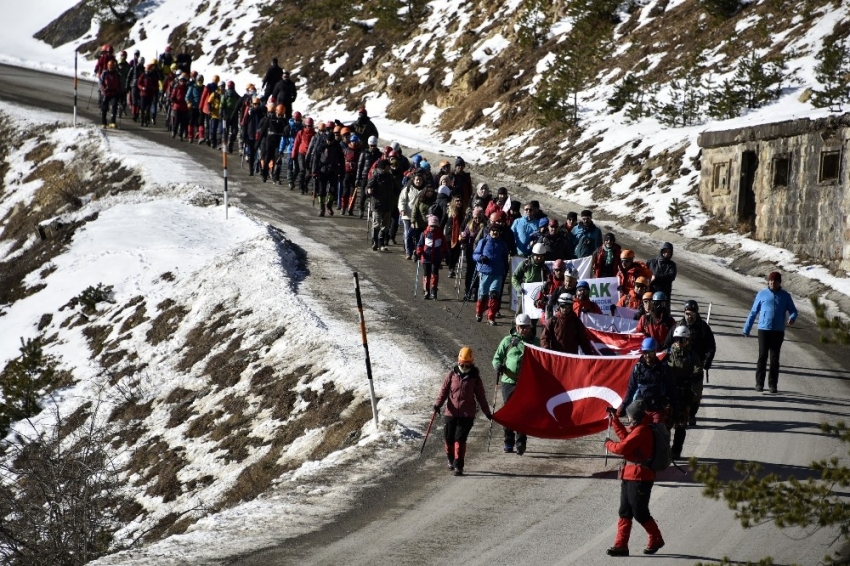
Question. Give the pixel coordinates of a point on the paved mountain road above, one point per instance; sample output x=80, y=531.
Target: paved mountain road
x=558, y=503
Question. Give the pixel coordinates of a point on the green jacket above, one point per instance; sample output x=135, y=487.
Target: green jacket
x=527, y=272
x=509, y=355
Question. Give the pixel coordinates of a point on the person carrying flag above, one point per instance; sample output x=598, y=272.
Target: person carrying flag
x=507, y=362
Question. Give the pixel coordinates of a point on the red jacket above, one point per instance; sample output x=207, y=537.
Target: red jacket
x=635, y=446
x=148, y=84
x=627, y=278
x=302, y=141
x=598, y=261
x=655, y=327
x=461, y=391
x=178, y=97
x=585, y=306
x=565, y=334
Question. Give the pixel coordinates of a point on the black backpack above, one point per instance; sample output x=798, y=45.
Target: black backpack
x=662, y=456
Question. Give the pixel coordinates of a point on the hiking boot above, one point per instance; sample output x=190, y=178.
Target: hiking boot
x=617, y=551
x=478, y=318
x=759, y=389
x=408, y=256
x=374, y=247
x=350, y=212
x=773, y=389
x=384, y=248
x=458, y=471
x=491, y=322
x=330, y=211
x=321, y=210
x=692, y=421
x=520, y=448
x=393, y=241
x=427, y=295
x=654, y=547
x=508, y=448
x=434, y=294
x=452, y=274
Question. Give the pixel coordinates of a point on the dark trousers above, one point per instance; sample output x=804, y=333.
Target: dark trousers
x=107, y=104
x=770, y=342
x=634, y=500
x=510, y=436
x=457, y=428
x=302, y=172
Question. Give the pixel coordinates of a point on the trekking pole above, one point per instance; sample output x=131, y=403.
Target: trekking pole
x=224, y=164
x=468, y=291
x=427, y=432
x=458, y=272
x=495, y=393
x=707, y=318
x=608, y=437
x=75, y=88
x=416, y=279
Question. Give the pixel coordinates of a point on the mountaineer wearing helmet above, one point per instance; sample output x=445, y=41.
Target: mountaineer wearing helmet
x=582, y=302
x=507, y=362
x=351, y=154
x=606, y=258
x=633, y=299
x=656, y=323
x=299, y=149
x=296, y=124
x=364, y=128
x=663, y=270
x=491, y=254
x=214, y=105
x=368, y=158
x=110, y=91
x=403, y=161
x=431, y=249
x=231, y=110
x=704, y=347
x=530, y=270
x=635, y=443
x=546, y=297
x=461, y=387
x=179, y=107
x=272, y=129
x=629, y=270
x=106, y=55
x=652, y=381
x=564, y=331
x=683, y=367
x=381, y=190
x=285, y=92
x=193, y=100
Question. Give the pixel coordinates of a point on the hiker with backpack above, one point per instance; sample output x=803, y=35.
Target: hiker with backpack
x=637, y=445
x=460, y=390
x=431, y=249
x=651, y=381
x=684, y=368
x=507, y=362
x=587, y=235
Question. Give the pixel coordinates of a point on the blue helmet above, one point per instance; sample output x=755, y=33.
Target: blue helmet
x=417, y=159
x=648, y=345
x=583, y=285
x=354, y=138
x=659, y=296
x=425, y=165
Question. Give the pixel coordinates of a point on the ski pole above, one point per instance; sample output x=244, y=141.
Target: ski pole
x=608, y=437
x=427, y=432
x=459, y=272
x=468, y=291
x=416, y=279
x=495, y=393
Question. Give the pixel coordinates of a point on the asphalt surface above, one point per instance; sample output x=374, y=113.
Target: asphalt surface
x=557, y=504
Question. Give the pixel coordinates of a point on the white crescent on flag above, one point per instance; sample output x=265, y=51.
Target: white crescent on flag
x=608, y=395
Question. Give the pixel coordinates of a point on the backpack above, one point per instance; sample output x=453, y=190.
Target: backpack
x=661, y=453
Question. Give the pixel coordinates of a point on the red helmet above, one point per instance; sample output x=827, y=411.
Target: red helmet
x=330, y=124
x=106, y=48
x=308, y=121
x=296, y=115
x=280, y=109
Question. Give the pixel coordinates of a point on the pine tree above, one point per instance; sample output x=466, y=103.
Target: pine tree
x=686, y=106
x=626, y=92
x=759, y=80
x=726, y=102
x=818, y=503
x=533, y=23
x=23, y=382
x=833, y=72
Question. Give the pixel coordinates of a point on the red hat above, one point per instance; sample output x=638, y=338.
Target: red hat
x=362, y=110
x=775, y=276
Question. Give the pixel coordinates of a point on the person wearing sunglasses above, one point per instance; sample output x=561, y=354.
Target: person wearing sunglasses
x=461, y=388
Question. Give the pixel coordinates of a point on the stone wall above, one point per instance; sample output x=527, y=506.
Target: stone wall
x=798, y=205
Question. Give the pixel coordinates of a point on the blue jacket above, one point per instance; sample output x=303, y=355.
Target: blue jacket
x=587, y=240
x=524, y=230
x=193, y=95
x=496, y=252
x=771, y=307
x=288, y=140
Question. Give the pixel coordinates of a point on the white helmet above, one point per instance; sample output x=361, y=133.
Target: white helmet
x=539, y=249
x=565, y=298
x=395, y=145
x=573, y=273
x=522, y=319
x=681, y=332
x=373, y=140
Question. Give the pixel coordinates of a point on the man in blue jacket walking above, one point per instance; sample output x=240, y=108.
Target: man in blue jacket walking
x=771, y=306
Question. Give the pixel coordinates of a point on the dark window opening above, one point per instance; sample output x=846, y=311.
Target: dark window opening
x=830, y=166
x=781, y=171
x=721, y=177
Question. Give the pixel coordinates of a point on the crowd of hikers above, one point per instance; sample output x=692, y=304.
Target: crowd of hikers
x=487, y=241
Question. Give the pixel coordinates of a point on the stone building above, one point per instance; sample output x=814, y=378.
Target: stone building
x=785, y=182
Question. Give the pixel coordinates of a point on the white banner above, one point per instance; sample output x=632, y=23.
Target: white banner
x=608, y=323
x=582, y=265
x=626, y=312
x=603, y=292
x=528, y=307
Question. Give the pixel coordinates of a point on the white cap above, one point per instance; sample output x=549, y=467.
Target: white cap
x=373, y=140
x=539, y=249
x=681, y=332
x=522, y=319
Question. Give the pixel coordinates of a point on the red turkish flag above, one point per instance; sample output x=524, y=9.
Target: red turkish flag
x=565, y=395
x=615, y=343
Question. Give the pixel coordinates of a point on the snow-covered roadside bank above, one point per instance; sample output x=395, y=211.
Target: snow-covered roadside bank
x=168, y=243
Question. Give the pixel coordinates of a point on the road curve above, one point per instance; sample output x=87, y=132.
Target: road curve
x=557, y=504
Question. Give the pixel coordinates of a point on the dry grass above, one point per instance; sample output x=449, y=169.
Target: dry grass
x=131, y=411
x=225, y=368
x=135, y=319
x=167, y=322
x=96, y=335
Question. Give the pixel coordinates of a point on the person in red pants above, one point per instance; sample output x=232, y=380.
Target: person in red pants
x=635, y=447
x=461, y=388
